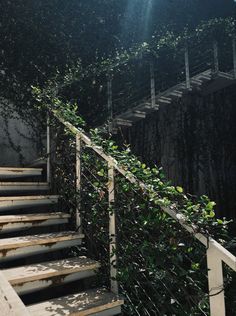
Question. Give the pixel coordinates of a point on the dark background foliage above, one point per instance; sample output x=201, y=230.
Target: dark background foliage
x=39, y=37
x=47, y=35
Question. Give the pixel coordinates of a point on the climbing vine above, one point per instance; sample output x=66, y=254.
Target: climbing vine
x=161, y=267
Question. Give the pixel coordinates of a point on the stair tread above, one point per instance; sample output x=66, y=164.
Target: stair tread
x=32, y=240
x=28, y=197
x=32, y=217
x=80, y=304
x=24, y=183
x=49, y=269
x=19, y=169
x=13, y=172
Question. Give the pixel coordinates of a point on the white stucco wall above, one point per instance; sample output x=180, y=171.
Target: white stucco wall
x=17, y=145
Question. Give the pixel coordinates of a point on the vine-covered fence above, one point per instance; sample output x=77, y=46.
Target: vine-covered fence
x=155, y=243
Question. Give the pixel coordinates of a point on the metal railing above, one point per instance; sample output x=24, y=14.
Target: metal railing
x=151, y=76
x=216, y=254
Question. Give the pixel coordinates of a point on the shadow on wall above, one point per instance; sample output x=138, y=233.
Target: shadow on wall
x=18, y=144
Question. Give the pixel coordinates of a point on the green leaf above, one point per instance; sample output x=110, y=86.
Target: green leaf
x=210, y=206
x=179, y=189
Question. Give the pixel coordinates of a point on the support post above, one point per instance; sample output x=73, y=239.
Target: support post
x=215, y=282
x=109, y=101
x=78, y=183
x=48, y=150
x=187, y=70
x=112, y=228
x=234, y=55
x=153, y=88
x=216, y=57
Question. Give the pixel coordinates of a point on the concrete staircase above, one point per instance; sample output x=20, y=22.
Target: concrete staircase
x=33, y=233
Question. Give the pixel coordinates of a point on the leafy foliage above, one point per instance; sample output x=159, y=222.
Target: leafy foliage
x=161, y=267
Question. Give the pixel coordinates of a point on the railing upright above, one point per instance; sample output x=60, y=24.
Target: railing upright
x=109, y=100
x=112, y=228
x=187, y=70
x=48, y=150
x=153, y=87
x=216, y=57
x=78, y=183
x=215, y=282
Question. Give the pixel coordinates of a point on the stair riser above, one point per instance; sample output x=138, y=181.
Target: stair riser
x=109, y=312
x=22, y=188
x=33, y=286
x=11, y=205
x=11, y=254
x=12, y=174
x=14, y=227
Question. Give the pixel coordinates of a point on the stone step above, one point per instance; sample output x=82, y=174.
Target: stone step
x=14, y=202
x=98, y=302
x=12, y=223
x=8, y=172
x=23, y=246
x=30, y=278
x=23, y=186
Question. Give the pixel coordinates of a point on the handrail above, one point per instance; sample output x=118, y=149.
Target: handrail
x=227, y=256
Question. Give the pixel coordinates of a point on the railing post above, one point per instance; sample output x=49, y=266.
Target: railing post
x=112, y=228
x=215, y=282
x=48, y=150
x=109, y=101
x=78, y=183
x=153, y=88
x=234, y=55
x=187, y=70
x=216, y=57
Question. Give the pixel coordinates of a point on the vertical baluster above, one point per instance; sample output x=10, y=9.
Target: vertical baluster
x=112, y=228
x=78, y=183
x=215, y=282
x=48, y=150
x=109, y=101
x=216, y=57
x=234, y=55
x=187, y=70
x=153, y=88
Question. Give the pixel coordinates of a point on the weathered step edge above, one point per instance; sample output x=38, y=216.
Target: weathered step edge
x=95, y=302
x=18, y=247
x=14, y=202
x=11, y=223
x=8, y=172
x=27, y=279
x=23, y=186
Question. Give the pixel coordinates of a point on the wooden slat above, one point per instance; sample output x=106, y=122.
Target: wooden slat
x=5, y=219
x=9, y=172
x=81, y=304
x=28, y=198
x=14, y=202
x=14, y=223
x=49, y=269
x=23, y=186
x=32, y=240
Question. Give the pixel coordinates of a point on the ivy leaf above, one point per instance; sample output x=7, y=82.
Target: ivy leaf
x=210, y=206
x=179, y=189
